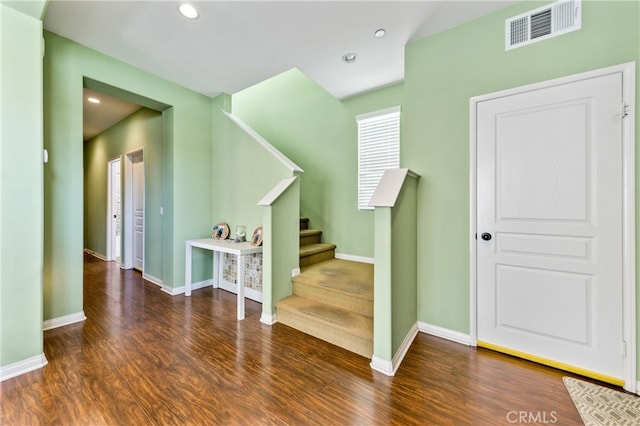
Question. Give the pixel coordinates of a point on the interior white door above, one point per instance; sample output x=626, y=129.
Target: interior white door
x=550, y=225
x=115, y=212
x=138, y=212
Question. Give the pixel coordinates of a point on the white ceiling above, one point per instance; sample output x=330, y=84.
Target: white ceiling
x=98, y=117
x=236, y=44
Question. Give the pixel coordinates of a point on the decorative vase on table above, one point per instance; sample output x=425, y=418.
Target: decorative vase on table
x=241, y=234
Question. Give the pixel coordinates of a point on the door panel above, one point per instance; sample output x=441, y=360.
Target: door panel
x=138, y=213
x=523, y=303
x=541, y=154
x=550, y=187
x=114, y=213
x=578, y=248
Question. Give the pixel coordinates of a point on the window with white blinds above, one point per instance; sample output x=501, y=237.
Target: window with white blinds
x=378, y=150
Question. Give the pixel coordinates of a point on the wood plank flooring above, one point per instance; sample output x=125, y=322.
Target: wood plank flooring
x=143, y=357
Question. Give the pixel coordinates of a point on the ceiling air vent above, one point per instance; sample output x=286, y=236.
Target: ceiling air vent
x=542, y=23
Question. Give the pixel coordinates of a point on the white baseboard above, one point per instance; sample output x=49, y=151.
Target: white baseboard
x=404, y=347
x=445, y=333
x=153, y=280
x=22, y=367
x=174, y=291
x=171, y=291
x=96, y=255
x=64, y=320
x=269, y=319
x=391, y=367
x=354, y=258
x=295, y=272
x=382, y=365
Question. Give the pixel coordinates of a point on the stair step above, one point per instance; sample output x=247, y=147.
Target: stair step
x=340, y=327
x=316, y=248
x=315, y=253
x=340, y=283
x=310, y=236
x=304, y=223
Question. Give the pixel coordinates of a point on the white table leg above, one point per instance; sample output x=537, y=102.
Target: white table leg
x=217, y=268
x=240, y=281
x=187, y=270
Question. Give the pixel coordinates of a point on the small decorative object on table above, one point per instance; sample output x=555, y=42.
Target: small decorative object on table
x=241, y=234
x=256, y=238
x=220, y=231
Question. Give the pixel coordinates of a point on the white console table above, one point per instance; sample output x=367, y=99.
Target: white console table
x=220, y=246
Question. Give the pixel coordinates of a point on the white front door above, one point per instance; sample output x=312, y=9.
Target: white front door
x=550, y=225
x=138, y=212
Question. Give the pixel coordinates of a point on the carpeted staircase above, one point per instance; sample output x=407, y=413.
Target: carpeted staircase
x=312, y=250
x=332, y=298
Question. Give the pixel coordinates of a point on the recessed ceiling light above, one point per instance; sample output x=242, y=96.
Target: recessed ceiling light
x=188, y=11
x=349, y=58
x=380, y=33
x=94, y=100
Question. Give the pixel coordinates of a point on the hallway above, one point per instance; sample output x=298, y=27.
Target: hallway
x=144, y=357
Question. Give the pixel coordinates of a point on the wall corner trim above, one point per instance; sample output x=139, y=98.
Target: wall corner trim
x=263, y=142
x=391, y=367
x=269, y=319
x=382, y=365
x=389, y=187
x=445, y=333
x=63, y=320
x=22, y=367
x=96, y=255
x=153, y=280
x=174, y=291
x=355, y=258
x=277, y=191
x=404, y=347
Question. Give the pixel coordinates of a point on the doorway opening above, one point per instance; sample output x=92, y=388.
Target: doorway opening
x=114, y=211
x=125, y=134
x=134, y=211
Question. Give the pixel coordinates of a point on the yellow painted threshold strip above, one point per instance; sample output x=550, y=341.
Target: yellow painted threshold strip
x=555, y=364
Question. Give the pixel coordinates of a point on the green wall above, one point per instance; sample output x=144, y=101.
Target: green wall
x=403, y=261
x=382, y=98
x=382, y=287
x=21, y=189
x=141, y=130
x=243, y=173
x=318, y=133
x=307, y=124
x=186, y=171
x=442, y=73
x=281, y=248
x=395, y=313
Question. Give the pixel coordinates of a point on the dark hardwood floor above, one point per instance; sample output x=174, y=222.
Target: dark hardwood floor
x=144, y=357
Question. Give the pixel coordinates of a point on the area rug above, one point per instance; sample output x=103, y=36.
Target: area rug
x=600, y=406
